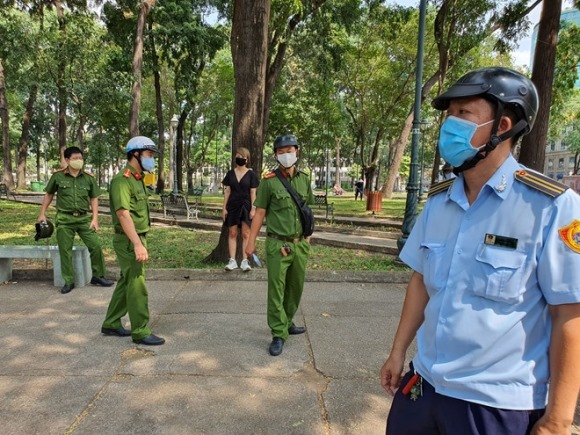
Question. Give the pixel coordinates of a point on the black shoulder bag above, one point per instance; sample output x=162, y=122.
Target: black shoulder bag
x=305, y=211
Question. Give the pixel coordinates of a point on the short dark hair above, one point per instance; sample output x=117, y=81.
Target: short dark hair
x=72, y=150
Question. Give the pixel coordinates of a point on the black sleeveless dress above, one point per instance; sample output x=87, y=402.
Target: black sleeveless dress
x=239, y=203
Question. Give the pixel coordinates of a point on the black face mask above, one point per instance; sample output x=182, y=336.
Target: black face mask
x=241, y=162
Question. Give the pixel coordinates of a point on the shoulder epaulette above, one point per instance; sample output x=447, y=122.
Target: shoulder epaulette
x=269, y=175
x=127, y=173
x=58, y=170
x=88, y=173
x=442, y=186
x=541, y=182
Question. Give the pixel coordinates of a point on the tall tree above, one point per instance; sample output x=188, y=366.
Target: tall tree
x=456, y=34
x=533, y=150
x=7, y=177
x=249, y=44
x=144, y=8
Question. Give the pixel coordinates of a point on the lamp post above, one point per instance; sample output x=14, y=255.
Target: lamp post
x=426, y=124
x=173, y=156
x=44, y=146
x=411, y=208
x=215, y=184
x=327, y=175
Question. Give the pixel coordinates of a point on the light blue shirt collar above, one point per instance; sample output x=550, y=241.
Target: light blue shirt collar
x=500, y=183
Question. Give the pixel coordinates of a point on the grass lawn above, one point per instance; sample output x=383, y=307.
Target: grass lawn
x=172, y=247
x=344, y=205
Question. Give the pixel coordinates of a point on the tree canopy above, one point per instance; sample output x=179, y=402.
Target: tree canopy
x=337, y=74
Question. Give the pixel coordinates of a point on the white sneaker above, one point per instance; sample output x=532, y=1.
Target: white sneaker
x=231, y=264
x=245, y=266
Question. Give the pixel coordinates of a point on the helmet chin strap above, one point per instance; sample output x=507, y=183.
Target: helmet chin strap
x=138, y=157
x=492, y=144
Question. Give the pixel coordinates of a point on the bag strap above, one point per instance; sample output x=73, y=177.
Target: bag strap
x=299, y=202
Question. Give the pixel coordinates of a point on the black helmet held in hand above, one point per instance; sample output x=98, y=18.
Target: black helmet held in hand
x=285, y=141
x=44, y=230
x=508, y=88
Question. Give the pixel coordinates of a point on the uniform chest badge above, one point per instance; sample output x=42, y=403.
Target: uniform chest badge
x=137, y=176
x=570, y=235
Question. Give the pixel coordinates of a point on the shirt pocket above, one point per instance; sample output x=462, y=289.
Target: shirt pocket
x=435, y=270
x=502, y=272
x=140, y=197
x=65, y=185
x=281, y=201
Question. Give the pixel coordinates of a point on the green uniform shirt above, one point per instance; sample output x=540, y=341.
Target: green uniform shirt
x=74, y=193
x=282, y=214
x=127, y=191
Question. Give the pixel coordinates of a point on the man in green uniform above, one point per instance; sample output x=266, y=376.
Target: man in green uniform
x=77, y=211
x=130, y=212
x=286, y=248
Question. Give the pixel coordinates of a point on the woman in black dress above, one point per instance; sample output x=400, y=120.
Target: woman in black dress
x=240, y=185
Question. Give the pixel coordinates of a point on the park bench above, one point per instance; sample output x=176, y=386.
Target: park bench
x=196, y=192
x=321, y=200
x=177, y=203
x=81, y=261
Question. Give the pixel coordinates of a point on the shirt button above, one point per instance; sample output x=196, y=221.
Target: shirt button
x=459, y=251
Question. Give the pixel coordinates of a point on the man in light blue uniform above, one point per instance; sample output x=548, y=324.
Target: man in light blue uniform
x=494, y=300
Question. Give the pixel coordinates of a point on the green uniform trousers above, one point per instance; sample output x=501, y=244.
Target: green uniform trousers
x=130, y=294
x=285, y=283
x=66, y=228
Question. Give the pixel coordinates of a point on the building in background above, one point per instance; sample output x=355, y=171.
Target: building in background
x=559, y=161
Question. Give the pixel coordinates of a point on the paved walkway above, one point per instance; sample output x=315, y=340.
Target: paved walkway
x=59, y=375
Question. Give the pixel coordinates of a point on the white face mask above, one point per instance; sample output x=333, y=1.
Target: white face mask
x=287, y=160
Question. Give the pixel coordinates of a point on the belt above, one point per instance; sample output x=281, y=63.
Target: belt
x=75, y=213
x=122, y=232
x=285, y=239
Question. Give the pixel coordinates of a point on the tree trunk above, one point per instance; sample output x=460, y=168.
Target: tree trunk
x=24, y=138
x=144, y=9
x=249, y=44
x=279, y=45
x=7, y=177
x=172, y=133
x=159, y=114
x=61, y=81
x=179, y=146
x=401, y=142
x=533, y=149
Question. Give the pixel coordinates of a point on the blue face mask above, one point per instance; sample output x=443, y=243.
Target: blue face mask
x=455, y=140
x=148, y=163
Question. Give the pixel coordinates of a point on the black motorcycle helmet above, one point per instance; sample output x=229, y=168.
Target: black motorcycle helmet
x=509, y=90
x=44, y=230
x=285, y=140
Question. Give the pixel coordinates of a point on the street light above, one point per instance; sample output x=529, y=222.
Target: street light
x=215, y=184
x=173, y=156
x=411, y=208
x=44, y=146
